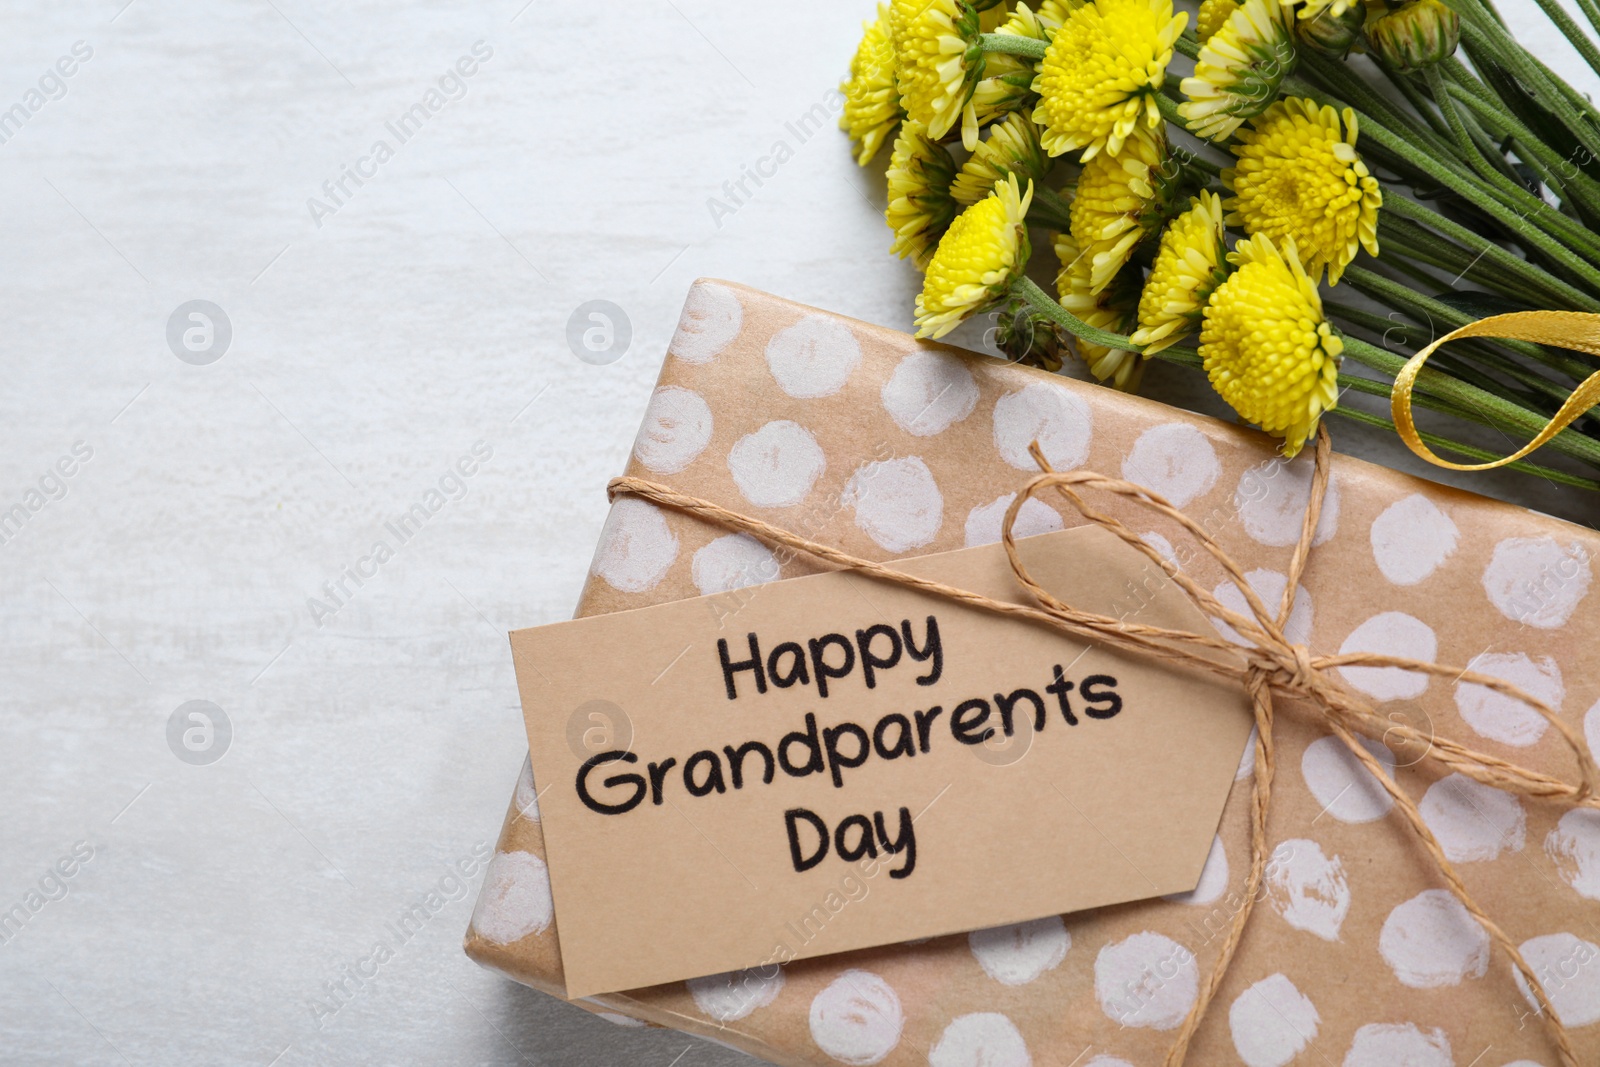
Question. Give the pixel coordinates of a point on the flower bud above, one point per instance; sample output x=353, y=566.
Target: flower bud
x=1417, y=35
x=1025, y=336
x=1333, y=34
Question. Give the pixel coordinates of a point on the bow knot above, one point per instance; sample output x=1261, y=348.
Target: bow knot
x=1289, y=668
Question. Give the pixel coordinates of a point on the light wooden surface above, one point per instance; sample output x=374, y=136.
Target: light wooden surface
x=374, y=341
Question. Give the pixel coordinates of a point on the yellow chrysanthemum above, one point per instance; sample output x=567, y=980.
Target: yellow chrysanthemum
x=1298, y=176
x=1239, y=70
x=871, y=100
x=1267, y=348
x=1102, y=72
x=1121, y=200
x=1012, y=147
x=1190, y=263
x=982, y=253
x=937, y=60
x=1113, y=308
x=1212, y=16
x=920, y=206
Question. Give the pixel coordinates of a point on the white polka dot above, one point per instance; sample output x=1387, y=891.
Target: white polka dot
x=636, y=548
x=1536, y=580
x=1146, y=980
x=897, y=503
x=776, y=466
x=711, y=319
x=620, y=1020
x=857, y=1019
x=1342, y=784
x=1399, y=1045
x=1392, y=633
x=1213, y=878
x=929, y=392
x=1247, y=758
x=1268, y=586
x=1272, y=1022
x=1411, y=539
x=1016, y=955
x=1569, y=969
x=1574, y=847
x=527, y=797
x=676, y=429
x=735, y=994
x=515, y=899
x=814, y=357
x=1431, y=941
x=1272, y=499
x=1473, y=821
x=1175, y=460
x=735, y=561
x=1059, y=420
x=1499, y=717
x=1307, y=888
x=985, y=521
x=983, y=1039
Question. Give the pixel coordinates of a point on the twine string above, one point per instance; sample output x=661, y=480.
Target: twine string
x=1269, y=667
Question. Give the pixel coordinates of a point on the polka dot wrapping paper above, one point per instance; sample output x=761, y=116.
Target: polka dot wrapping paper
x=1356, y=955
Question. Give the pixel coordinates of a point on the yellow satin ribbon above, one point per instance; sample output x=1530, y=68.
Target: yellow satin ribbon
x=1577, y=330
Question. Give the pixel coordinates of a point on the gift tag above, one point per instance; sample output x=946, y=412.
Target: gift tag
x=834, y=762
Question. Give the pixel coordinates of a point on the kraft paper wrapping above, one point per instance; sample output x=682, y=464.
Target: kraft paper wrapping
x=885, y=446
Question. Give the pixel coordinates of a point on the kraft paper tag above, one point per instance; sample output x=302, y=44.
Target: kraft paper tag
x=832, y=762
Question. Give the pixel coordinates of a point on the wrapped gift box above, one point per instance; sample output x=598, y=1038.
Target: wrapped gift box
x=885, y=446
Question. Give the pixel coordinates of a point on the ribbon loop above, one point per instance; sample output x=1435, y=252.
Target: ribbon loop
x=1576, y=330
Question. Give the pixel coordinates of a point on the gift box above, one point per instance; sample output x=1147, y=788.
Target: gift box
x=886, y=447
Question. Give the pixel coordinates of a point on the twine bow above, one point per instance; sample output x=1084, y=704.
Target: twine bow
x=1271, y=666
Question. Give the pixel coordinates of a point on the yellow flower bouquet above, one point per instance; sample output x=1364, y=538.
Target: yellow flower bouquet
x=1328, y=194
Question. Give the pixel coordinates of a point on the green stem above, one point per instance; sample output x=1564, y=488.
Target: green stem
x=1471, y=151
x=1482, y=34
x=1555, y=170
x=1413, y=95
x=1051, y=309
x=1372, y=105
x=1169, y=111
x=1591, y=11
x=1557, y=290
x=1573, y=32
x=1434, y=313
x=1438, y=443
x=1013, y=44
x=1490, y=138
x=1049, y=209
x=1414, y=242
